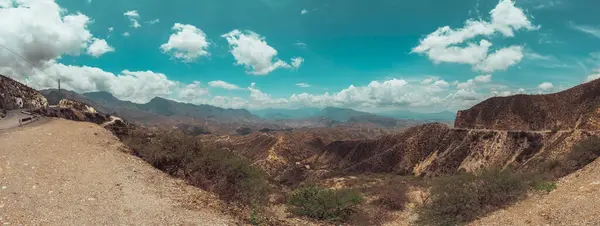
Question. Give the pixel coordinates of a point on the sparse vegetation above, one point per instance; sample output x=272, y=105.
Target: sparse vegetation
x=545, y=186
x=324, y=204
x=394, y=197
x=583, y=153
x=462, y=198
x=243, y=131
x=219, y=171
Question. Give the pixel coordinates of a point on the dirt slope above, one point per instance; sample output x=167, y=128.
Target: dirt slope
x=62, y=172
x=574, y=202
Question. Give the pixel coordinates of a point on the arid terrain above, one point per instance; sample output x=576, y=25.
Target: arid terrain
x=95, y=164
x=60, y=172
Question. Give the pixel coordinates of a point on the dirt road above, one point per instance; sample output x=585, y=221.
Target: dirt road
x=61, y=172
x=12, y=119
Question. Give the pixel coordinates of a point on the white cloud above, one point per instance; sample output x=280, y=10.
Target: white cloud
x=110, y=29
x=483, y=79
x=301, y=44
x=187, y=43
x=263, y=100
x=296, y=62
x=594, y=76
x=303, y=11
x=591, y=30
x=252, y=51
x=153, y=21
x=393, y=92
x=469, y=84
x=99, y=47
x=133, y=16
x=502, y=59
x=546, y=86
x=40, y=31
x=126, y=34
x=544, y=4
x=223, y=85
x=193, y=93
x=441, y=45
x=303, y=85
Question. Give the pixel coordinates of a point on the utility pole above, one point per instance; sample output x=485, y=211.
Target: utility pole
x=59, y=96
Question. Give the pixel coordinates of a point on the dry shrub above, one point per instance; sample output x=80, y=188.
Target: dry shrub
x=323, y=203
x=582, y=154
x=462, y=198
x=220, y=171
x=394, y=197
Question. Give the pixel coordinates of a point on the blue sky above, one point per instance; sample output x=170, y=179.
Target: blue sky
x=369, y=55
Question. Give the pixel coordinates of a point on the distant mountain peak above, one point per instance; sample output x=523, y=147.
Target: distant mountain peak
x=103, y=95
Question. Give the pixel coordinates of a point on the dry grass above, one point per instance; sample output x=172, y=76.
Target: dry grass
x=324, y=204
x=462, y=198
x=231, y=177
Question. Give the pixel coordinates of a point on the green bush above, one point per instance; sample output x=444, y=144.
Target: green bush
x=220, y=171
x=324, y=204
x=545, y=186
x=462, y=198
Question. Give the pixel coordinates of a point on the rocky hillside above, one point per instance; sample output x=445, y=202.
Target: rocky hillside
x=14, y=95
x=279, y=150
x=436, y=149
x=575, y=108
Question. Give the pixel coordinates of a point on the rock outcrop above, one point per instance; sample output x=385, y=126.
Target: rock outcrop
x=14, y=95
x=574, y=108
x=435, y=149
x=77, y=111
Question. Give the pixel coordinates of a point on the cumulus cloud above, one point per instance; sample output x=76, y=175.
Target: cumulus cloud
x=133, y=16
x=303, y=85
x=193, y=93
x=187, y=43
x=110, y=29
x=252, y=51
x=594, y=76
x=502, y=59
x=258, y=98
x=442, y=46
x=483, y=79
x=223, y=85
x=40, y=31
x=393, y=92
x=126, y=34
x=303, y=11
x=546, y=86
x=469, y=84
x=99, y=47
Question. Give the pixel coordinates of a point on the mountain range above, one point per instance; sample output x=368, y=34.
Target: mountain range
x=160, y=111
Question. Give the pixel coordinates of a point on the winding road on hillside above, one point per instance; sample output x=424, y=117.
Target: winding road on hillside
x=12, y=119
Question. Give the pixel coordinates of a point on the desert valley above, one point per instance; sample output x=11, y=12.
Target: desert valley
x=380, y=170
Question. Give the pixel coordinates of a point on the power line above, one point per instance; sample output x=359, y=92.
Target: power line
x=33, y=65
x=23, y=58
